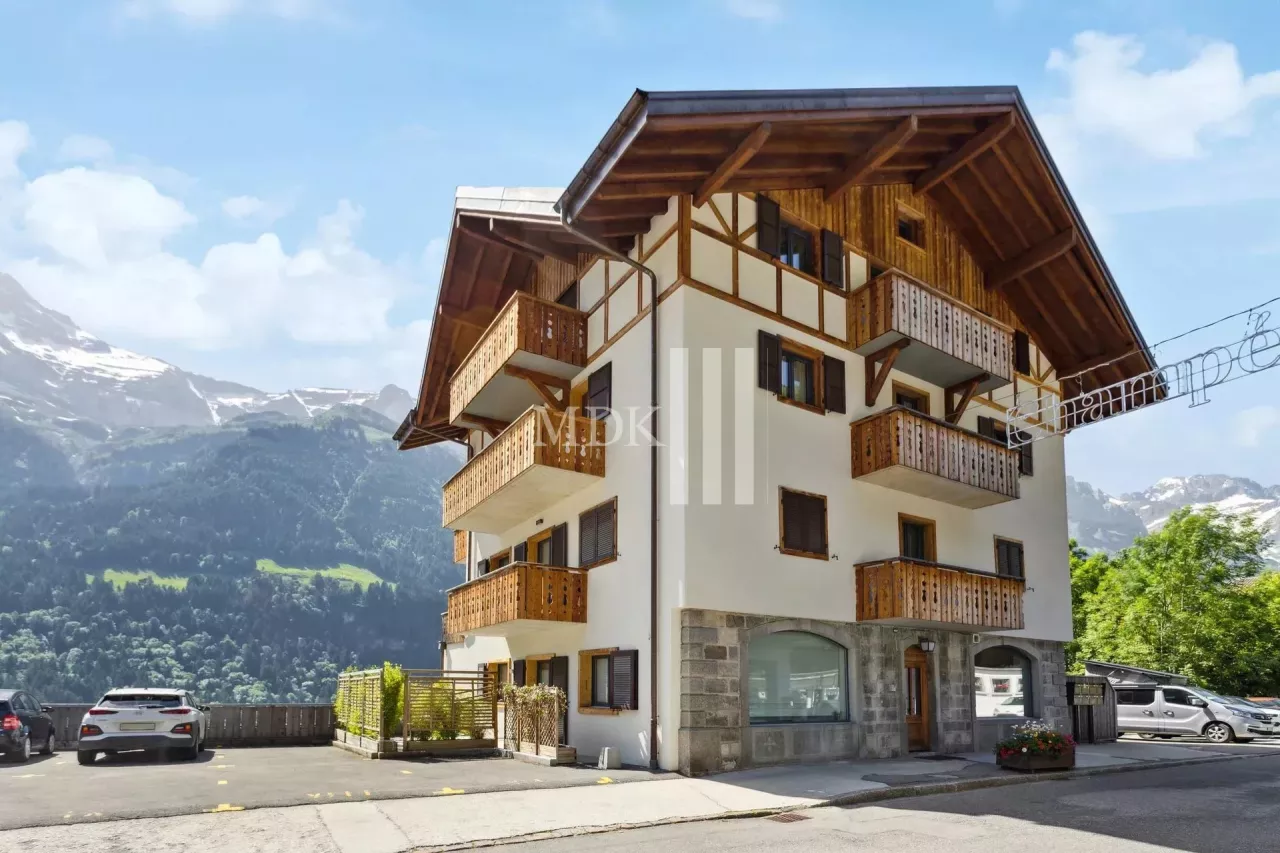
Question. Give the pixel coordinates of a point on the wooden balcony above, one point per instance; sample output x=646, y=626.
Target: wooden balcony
x=529, y=334
x=950, y=342
x=899, y=591
x=545, y=455
x=515, y=597
x=460, y=546
x=902, y=449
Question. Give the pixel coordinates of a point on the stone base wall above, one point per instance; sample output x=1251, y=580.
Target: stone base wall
x=715, y=734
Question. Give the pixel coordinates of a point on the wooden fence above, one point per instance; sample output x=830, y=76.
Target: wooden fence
x=441, y=705
x=231, y=725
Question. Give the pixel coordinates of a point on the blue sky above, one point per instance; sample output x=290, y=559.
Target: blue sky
x=259, y=189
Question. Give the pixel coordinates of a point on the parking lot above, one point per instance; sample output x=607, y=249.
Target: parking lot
x=56, y=790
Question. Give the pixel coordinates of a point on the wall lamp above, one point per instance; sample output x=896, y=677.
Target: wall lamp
x=926, y=645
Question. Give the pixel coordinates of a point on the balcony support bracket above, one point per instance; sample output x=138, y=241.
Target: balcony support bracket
x=493, y=426
x=878, y=365
x=544, y=384
x=965, y=390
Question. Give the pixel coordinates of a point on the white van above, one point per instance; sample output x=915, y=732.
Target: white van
x=1167, y=711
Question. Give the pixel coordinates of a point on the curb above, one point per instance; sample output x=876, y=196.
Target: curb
x=855, y=798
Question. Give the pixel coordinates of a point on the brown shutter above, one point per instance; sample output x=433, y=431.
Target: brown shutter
x=600, y=390
x=817, y=518
x=987, y=427
x=623, y=679
x=1026, y=462
x=520, y=552
x=833, y=384
x=606, y=528
x=560, y=678
x=1022, y=353
x=769, y=356
x=560, y=545
x=832, y=259
x=1015, y=559
x=587, y=538
x=517, y=672
x=768, y=225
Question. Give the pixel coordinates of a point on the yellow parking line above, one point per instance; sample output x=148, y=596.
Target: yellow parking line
x=451, y=791
x=222, y=766
x=225, y=807
x=314, y=796
x=29, y=776
x=367, y=794
x=222, y=781
x=407, y=772
x=347, y=794
x=604, y=780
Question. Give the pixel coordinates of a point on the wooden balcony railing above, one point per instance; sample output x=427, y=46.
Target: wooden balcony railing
x=542, y=440
x=518, y=591
x=525, y=324
x=893, y=305
x=459, y=546
x=910, y=591
x=906, y=450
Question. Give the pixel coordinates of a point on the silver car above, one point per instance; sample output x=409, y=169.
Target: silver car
x=1169, y=711
x=147, y=718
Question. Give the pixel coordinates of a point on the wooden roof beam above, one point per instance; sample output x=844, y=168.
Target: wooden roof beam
x=948, y=165
x=623, y=227
x=872, y=159
x=530, y=241
x=459, y=315
x=1033, y=258
x=599, y=211
x=746, y=149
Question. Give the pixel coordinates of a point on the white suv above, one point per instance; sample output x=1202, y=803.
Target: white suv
x=148, y=718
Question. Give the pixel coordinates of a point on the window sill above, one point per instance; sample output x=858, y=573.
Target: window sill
x=603, y=562
x=905, y=242
x=792, y=552
x=591, y=710
x=806, y=406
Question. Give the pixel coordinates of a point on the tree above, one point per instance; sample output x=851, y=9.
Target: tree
x=1179, y=601
x=1087, y=573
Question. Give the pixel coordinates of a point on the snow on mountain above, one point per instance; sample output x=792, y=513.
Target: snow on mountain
x=50, y=369
x=1099, y=521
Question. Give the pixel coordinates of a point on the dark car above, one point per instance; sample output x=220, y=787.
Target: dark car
x=25, y=726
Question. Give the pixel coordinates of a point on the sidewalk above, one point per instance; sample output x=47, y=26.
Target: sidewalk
x=394, y=826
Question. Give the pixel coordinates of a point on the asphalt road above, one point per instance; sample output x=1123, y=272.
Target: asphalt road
x=1229, y=807
x=56, y=790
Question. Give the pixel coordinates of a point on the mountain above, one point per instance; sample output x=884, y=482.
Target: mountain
x=160, y=527
x=52, y=369
x=1099, y=521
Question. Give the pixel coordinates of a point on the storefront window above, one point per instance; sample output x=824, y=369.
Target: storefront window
x=796, y=677
x=1008, y=672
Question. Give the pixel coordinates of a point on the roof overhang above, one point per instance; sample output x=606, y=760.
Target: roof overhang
x=973, y=151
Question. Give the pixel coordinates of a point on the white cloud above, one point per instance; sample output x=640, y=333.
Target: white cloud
x=1164, y=113
x=213, y=11
x=1252, y=424
x=15, y=139
x=755, y=10
x=251, y=209
x=93, y=242
x=79, y=148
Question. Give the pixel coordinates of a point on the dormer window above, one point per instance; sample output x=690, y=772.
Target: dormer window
x=911, y=227
x=795, y=247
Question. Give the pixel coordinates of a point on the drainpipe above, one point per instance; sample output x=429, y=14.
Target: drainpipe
x=641, y=269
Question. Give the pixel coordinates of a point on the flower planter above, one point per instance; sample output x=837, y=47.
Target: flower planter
x=1028, y=762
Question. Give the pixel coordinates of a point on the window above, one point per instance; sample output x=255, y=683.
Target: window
x=786, y=241
x=599, y=392
x=497, y=561
x=803, y=519
x=1175, y=697
x=503, y=672
x=800, y=374
x=1140, y=696
x=1009, y=562
x=917, y=538
x=569, y=298
x=910, y=398
x=977, y=686
x=544, y=672
x=598, y=534
x=796, y=677
x=911, y=227
x=1009, y=672
x=797, y=382
x=607, y=680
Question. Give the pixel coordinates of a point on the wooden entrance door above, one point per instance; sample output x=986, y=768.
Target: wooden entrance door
x=917, y=665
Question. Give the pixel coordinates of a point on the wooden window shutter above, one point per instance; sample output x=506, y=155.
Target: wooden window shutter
x=560, y=545
x=792, y=528
x=1022, y=353
x=587, y=538
x=833, y=384
x=1015, y=559
x=600, y=391
x=987, y=427
x=482, y=568
x=1002, y=557
x=623, y=678
x=584, y=679
x=817, y=518
x=1026, y=461
x=520, y=552
x=517, y=672
x=832, y=259
x=560, y=673
x=606, y=528
x=769, y=355
x=768, y=225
